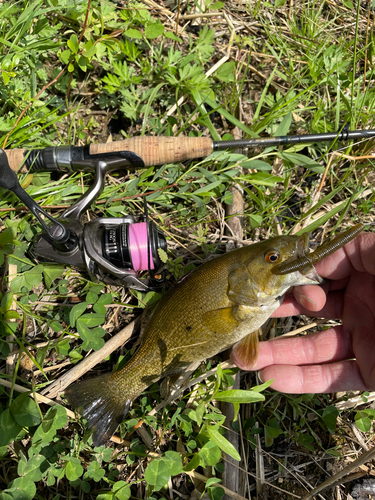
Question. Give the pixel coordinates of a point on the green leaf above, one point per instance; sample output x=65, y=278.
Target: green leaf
x=6, y=80
x=154, y=30
x=63, y=348
x=72, y=43
x=34, y=469
x=305, y=161
x=212, y=480
x=194, y=463
x=199, y=413
x=271, y=431
x=239, y=396
x=215, y=492
x=9, y=429
x=257, y=165
x=306, y=440
x=284, y=126
x=3, y=494
x=223, y=443
x=65, y=56
x=7, y=237
x=172, y=36
x=94, y=471
x=226, y=72
x=362, y=421
x=132, y=33
x=262, y=387
x=82, y=63
x=9, y=315
x=76, y=312
x=27, y=280
x=174, y=462
x=22, y=489
x=104, y=299
x=56, y=326
x=52, y=272
x=255, y=220
x=57, y=416
x=329, y=417
x=90, y=50
x=263, y=179
x=157, y=474
x=90, y=320
x=25, y=411
x=236, y=407
x=91, y=297
x=121, y=490
x=92, y=338
x=207, y=189
x=210, y=454
x=217, y=5
x=44, y=435
x=6, y=301
x=73, y=469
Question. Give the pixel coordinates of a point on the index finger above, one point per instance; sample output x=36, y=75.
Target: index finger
x=358, y=254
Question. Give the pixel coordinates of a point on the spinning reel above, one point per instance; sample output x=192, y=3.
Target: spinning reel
x=112, y=250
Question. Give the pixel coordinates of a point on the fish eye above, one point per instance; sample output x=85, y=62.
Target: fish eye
x=272, y=256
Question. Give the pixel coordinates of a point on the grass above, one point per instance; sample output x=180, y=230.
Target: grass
x=76, y=73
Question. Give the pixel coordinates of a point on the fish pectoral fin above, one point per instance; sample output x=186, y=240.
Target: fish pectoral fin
x=220, y=321
x=246, y=350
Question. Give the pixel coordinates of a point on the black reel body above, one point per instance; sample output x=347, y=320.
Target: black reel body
x=112, y=250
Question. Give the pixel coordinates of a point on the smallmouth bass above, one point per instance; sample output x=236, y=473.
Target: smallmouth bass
x=221, y=303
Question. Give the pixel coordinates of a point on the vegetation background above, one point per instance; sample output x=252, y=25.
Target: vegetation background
x=83, y=71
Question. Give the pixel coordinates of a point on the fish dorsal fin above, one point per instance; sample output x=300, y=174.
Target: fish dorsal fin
x=246, y=350
x=221, y=321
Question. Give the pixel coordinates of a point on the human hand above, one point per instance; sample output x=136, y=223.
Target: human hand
x=341, y=358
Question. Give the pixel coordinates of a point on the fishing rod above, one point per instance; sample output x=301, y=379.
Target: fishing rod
x=118, y=250
x=147, y=151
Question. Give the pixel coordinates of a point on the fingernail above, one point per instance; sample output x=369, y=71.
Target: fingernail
x=308, y=303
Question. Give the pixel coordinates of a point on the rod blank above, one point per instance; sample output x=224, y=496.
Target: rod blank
x=294, y=139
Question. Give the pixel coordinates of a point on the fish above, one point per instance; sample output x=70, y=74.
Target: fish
x=220, y=304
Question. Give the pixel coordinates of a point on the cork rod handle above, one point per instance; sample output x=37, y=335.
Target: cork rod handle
x=160, y=150
x=152, y=150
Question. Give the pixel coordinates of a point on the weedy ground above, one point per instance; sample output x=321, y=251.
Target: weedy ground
x=82, y=72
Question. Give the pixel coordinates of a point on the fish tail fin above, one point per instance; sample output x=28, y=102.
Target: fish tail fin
x=104, y=411
x=245, y=352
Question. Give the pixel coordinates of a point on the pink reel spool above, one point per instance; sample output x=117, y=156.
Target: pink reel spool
x=138, y=247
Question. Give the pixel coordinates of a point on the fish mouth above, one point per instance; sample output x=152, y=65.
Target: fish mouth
x=299, y=252
x=299, y=264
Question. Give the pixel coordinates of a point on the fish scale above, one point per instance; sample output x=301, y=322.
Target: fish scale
x=221, y=303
